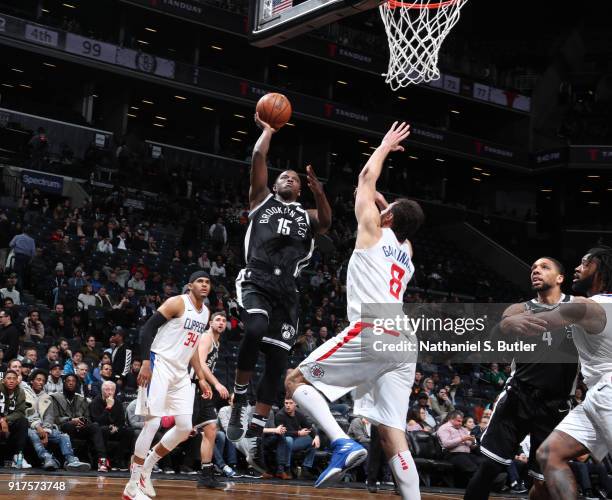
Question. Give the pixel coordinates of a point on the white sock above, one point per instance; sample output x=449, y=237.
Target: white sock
x=403, y=468
x=311, y=401
x=150, y=462
x=135, y=471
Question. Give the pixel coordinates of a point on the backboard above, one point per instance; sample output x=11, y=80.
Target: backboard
x=274, y=21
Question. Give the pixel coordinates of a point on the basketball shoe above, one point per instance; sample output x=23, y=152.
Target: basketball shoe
x=346, y=454
x=236, y=427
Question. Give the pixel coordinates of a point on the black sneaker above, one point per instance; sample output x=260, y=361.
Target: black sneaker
x=255, y=454
x=237, y=422
x=208, y=480
x=518, y=487
x=372, y=487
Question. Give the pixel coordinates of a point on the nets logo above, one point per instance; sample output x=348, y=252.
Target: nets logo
x=317, y=372
x=287, y=331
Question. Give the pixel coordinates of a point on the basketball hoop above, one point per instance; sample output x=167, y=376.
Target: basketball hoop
x=416, y=30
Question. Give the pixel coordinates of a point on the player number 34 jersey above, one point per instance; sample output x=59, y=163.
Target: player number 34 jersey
x=177, y=339
x=378, y=275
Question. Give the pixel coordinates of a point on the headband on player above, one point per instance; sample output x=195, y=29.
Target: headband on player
x=197, y=275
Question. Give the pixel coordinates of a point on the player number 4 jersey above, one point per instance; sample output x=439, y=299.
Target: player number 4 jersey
x=378, y=275
x=177, y=339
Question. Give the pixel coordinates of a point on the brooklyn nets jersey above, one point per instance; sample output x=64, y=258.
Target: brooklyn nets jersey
x=177, y=339
x=552, y=378
x=279, y=237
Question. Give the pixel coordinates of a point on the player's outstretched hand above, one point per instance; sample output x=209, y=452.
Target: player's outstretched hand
x=395, y=135
x=525, y=324
x=205, y=388
x=222, y=390
x=144, y=375
x=263, y=125
x=313, y=181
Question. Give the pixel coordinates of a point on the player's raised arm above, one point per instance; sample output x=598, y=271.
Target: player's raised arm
x=583, y=312
x=366, y=197
x=320, y=218
x=172, y=308
x=259, y=167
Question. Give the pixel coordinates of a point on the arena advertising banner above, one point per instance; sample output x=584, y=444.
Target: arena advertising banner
x=43, y=182
x=591, y=155
x=87, y=47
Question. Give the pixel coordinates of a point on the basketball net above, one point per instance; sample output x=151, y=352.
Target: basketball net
x=415, y=30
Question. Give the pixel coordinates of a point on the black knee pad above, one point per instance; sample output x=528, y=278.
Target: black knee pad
x=255, y=328
x=273, y=375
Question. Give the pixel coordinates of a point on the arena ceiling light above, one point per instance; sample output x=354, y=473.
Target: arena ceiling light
x=243, y=132
x=25, y=86
x=290, y=124
x=236, y=139
x=161, y=118
x=46, y=11
x=341, y=82
x=152, y=30
x=284, y=66
x=477, y=168
x=546, y=190
x=455, y=112
x=180, y=97
x=239, y=116
x=131, y=115
x=401, y=97
x=142, y=42
x=365, y=154
x=134, y=107
x=216, y=47
x=158, y=125
x=586, y=191
x=49, y=65
x=206, y=108
x=440, y=159
x=476, y=179
x=69, y=5
x=362, y=141
x=17, y=70
x=593, y=203
x=336, y=154
x=12, y=86
x=593, y=176
x=413, y=157
x=147, y=102
x=487, y=174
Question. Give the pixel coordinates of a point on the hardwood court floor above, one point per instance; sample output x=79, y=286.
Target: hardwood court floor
x=104, y=487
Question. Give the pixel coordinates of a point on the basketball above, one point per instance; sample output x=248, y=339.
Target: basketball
x=274, y=109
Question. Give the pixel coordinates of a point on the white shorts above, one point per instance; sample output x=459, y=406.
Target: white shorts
x=169, y=393
x=591, y=422
x=382, y=388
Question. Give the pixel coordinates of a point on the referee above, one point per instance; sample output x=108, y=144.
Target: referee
x=537, y=395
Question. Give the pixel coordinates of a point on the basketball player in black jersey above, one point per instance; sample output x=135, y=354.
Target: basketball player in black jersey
x=278, y=245
x=204, y=412
x=536, y=396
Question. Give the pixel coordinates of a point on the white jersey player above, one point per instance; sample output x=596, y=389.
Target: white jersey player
x=378, y=272
x=587, y=429
x=165, y=387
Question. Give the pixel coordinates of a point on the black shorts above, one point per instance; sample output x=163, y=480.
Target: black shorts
x=521, y=411
x=261, y=292
x=205, y=410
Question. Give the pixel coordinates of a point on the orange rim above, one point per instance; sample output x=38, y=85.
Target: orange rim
x=418, y=5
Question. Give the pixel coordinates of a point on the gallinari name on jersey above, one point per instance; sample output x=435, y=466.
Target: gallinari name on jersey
x=397, y=253
x=193, y=325
x=298, y=218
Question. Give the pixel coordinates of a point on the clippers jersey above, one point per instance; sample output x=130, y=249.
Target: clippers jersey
x=378, y=275
x=595, y=351
x=177, y=339
x=279, y=237
x=553, y=378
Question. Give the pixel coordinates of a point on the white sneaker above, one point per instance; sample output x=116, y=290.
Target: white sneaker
x=133, y=492
x=146, y=485
x=24, y=463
